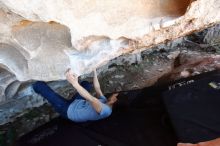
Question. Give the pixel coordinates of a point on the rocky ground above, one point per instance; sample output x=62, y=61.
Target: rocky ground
x=183, y=57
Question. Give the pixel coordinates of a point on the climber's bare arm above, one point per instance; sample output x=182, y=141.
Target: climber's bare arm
x=97, y=85
x=73, y=79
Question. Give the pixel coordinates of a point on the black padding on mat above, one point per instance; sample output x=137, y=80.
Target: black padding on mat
x=194, y=108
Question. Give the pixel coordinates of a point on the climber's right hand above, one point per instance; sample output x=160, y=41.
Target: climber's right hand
x=71, y=77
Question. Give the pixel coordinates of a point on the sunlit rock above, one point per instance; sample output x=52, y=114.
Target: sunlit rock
x=41, y=39
x=128, y=18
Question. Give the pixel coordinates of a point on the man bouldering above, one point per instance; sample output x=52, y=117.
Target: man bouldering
x=83, y=106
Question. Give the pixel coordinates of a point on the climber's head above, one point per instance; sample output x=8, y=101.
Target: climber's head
x=112, y=100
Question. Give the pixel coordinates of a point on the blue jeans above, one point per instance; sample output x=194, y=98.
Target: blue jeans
x=59, y=103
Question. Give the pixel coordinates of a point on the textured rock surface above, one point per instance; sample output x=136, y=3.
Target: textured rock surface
x=156, y=65
x=100, y=18
x=8, y=85
x=130, y=71
x=41, y=39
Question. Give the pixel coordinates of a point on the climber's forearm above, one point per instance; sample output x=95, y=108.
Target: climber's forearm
x=97, y=85
x=96, y=104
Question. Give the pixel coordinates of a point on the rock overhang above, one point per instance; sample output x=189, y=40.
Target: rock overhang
x=51, y=36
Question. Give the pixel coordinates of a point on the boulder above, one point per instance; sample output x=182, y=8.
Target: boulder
x=41, y=39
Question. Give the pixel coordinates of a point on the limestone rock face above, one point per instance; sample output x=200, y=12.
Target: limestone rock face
x=186, y=56
x=40, y=39
x=8, y=85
